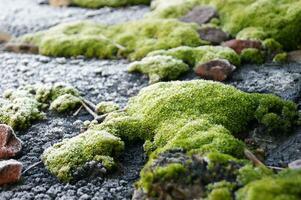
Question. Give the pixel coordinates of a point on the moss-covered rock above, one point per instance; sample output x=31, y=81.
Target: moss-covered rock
x=285, y=185
x=65, y=103
x=21, y=107
x=106, y=107
x=110, y=3
x=260, y=19
x=159, y=68
x=65, y=158
x=280, y=58
x=133, y=40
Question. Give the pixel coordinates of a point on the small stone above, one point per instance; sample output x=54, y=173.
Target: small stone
x=59, y=3
x=10, y=145
x=4, y=37
x=10, y=171
x=294, y=56
x=200, y=15
x=213, y=35
x=22, y=48
x=239, y=45
x=217, y=70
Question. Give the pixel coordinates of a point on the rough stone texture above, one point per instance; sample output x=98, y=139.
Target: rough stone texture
x=200, y=15
x=213, y=35
x=35, y=17
x=294, y=56
x=10, y=171
x=10, y=145
x=239, y=45
x=217, y=70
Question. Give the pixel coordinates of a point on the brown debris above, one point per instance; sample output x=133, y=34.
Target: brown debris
x=10, y=144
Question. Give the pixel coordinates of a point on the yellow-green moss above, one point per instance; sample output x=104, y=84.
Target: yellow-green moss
x=106, y=107
x=65, y=103
x=252, y=18
x=252, y=55
x=64, y=158
x=109, y=3
x=159, y=68
x=21, y=107
x=286, y=186
x=280, y=58
x=198, y=55
x=133, y=39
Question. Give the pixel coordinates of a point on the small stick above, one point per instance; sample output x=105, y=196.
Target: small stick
x=276, y=168
x=89, y=103
x=252, y=157
x=31, y=166
x=89, y=110
x=78, y=110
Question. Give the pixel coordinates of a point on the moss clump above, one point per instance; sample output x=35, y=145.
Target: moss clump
x=285, y=185
x=106, y=107
x=252, y=55
x=65, y=103
x=111, y=3
x=133, y=40
x=198, y=55
x=251, y=33
x=159, y=68
x=21, y=107
x=261, y=18
x=64, y=158
x=280, y=58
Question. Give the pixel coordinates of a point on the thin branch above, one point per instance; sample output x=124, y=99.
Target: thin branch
x=89, y=110
x=78, y=110
x=31, y=166
x=89, y=103
x=252, y=158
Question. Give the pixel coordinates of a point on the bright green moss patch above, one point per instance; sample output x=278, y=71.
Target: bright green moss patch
x=21, y=107
x=285, y=185
x=159, y=68
x=252, y=55
x=106, y=107
x=133, y=40
x=64, y=158
x=110, y=3
x=280, y=58
x=198, y=55
x=65, y=102
x=260, y=19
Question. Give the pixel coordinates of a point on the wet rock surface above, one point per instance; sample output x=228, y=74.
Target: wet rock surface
x=213, y=35
x=200, y=15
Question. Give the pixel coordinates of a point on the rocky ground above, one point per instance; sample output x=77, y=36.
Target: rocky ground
x=100, y=80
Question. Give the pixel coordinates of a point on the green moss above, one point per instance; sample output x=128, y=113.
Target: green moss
x=65, y=103
x=272, y=46
x=220, y=193
x=21, y=107
x=110, y=3
x=251, y=55
x=280, y=58
x=106, y=107
x=248, y=173
x=64, y=158
x=159, y=68
x=261, y=18
x=251, y=33
x=198, y=55
x=130, y=39
x=286, y=185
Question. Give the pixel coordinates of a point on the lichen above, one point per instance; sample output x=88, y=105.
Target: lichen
x=106, y=107
x=132, y=40
x=257, y=19
x=64, y=158
x=159, y=68
x=111, y=3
